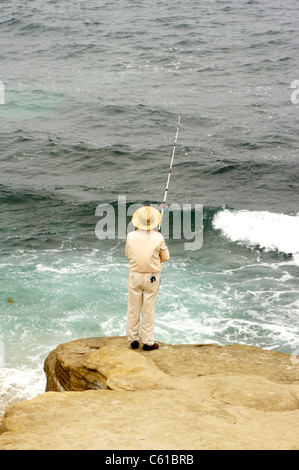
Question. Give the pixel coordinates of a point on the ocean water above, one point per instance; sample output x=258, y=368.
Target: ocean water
x=92, y=93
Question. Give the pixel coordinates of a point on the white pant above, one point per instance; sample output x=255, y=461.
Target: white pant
x=142, y=296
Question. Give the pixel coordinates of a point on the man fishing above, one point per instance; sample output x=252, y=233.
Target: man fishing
x=146, y=251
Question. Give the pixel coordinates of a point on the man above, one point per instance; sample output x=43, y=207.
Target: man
x=146, y=251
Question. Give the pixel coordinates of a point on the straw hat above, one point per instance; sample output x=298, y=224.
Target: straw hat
x=146, y=218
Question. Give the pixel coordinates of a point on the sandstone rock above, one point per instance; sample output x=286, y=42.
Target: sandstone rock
x=177, y=397
x=95, y=363
x=256, y=392
x=123, y=369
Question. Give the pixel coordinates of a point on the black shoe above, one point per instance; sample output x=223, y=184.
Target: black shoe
x=146, y=347
x=135, y=345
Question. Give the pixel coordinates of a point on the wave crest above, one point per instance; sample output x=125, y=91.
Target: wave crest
x=267, y=230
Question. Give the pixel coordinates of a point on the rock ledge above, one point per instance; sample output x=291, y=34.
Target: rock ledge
x=177, y=397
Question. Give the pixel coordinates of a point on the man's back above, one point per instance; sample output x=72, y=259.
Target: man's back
x=146, y=250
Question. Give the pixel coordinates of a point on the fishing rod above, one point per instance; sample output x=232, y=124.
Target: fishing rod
x=169, y=173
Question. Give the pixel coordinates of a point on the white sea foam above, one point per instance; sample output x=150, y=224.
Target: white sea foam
x=18, y=384
x=267, y=230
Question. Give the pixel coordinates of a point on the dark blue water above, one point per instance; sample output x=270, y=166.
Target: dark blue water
x=93, y=91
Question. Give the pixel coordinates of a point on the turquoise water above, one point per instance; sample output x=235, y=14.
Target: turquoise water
x=92, y=97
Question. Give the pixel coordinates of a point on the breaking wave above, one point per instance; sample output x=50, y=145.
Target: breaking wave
x=266, y=230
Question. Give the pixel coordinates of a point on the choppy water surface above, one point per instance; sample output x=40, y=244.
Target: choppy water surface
x=93, y=91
